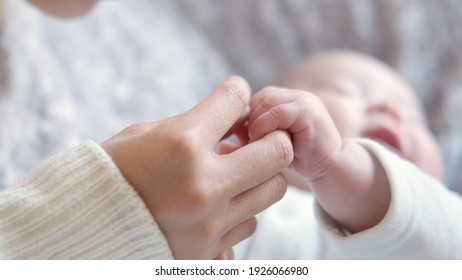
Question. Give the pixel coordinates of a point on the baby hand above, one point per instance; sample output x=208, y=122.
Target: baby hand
x=356, y=196
x=315, y=138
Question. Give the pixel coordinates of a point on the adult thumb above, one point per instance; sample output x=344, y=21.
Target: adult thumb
x=218, y=112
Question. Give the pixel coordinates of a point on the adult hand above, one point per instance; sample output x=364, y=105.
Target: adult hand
x=203, y=202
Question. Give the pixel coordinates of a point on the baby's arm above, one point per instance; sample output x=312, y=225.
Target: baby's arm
x=347, y=181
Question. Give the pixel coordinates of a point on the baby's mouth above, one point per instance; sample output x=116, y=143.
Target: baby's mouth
x=387, y=137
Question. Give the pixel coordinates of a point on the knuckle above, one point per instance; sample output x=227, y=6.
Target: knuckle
x=279, y=186
x=273, y=114
x=268, y=89
x=194, y=201
x=270, y=94
x=274, y=189
x=183, y=143
x=209, y=232
x=284, y=149
x=199, y=196
x=135, y=129
x=236, y=94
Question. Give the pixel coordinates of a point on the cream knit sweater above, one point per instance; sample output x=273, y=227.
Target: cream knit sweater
x=78, y=206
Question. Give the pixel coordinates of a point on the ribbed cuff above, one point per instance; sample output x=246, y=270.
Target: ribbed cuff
x=78, y=206
x=389, y=233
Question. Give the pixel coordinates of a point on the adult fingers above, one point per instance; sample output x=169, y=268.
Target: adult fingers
x=216, y=114
x=256, y=162
x=238, y=233
x=256, y=199
x=241, y=222
x=227, y=255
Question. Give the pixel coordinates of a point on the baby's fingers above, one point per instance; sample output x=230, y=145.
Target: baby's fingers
x=226, y=147
x=280, y=117
x=268, y=98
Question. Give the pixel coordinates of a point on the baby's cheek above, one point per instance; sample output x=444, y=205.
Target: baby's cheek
x=427, y=155
x=347, y=119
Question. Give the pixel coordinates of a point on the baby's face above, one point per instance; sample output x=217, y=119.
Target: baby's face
x=64, y=8
x=367, y=99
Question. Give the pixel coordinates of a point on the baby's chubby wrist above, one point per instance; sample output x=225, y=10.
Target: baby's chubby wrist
x=354, y=189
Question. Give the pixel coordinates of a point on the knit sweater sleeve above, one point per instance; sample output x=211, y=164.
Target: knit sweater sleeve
x=77, y=205
x=423, y=220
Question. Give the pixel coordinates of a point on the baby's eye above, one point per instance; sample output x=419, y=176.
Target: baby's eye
x=348, y=88
x=342, y=87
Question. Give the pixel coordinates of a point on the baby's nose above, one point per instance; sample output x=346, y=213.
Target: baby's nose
x=382, y=107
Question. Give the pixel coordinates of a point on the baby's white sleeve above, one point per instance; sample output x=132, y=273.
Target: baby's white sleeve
x=77, y=205
x=424, y=220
